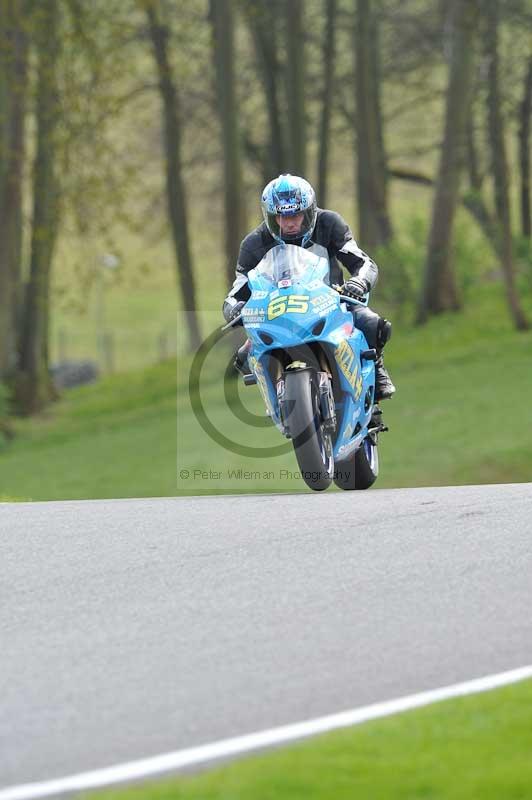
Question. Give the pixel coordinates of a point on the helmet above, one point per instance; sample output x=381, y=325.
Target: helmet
x=286, y=196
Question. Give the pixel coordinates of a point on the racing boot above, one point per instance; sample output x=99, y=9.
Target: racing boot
x=241, y=359
x=384, y=387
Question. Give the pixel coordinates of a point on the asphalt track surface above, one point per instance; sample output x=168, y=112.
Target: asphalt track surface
x=130, y=628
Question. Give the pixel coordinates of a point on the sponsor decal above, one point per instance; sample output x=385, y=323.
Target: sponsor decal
x=347, y=448
x=340, y=333
x=347, y=362
x=297, y=365
x=253, y=315
x=323, y=301
x=258, y=294
x=284, y=283
x=323, y=305
x=288, y=208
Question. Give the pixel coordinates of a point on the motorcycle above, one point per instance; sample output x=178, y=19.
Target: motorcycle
x=314, y=369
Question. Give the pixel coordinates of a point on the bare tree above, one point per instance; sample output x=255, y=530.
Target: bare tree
x=374, y=220
x=525, y=112
x=34, y=387
x=13, y=85
x=222, y=19
x=327, y=99
x=495, y=122
x=295, y=86
x=175, y=187
x=439, y=288
x=262, y=17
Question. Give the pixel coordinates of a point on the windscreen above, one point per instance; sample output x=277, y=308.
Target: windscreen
x=291, y=264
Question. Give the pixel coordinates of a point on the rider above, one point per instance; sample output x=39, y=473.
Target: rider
x=291, y=216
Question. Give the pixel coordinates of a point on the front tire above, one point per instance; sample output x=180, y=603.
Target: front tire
x=312, y=446
x=361, y=470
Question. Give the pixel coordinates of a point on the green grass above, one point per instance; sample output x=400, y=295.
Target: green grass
x=473, y=748
x=112, y=439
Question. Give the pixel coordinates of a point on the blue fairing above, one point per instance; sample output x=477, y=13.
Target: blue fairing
x=290, y=305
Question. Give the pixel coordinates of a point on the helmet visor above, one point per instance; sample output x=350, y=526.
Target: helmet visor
x=290, y=225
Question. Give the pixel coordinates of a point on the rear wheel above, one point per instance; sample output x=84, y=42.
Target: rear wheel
x=361, y=470
x=312, y=445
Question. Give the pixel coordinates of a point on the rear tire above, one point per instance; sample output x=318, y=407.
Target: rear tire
x=312, y=446
x=361, y=470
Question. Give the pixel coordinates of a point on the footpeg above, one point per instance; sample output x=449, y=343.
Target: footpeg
x=376, y=424
x=249, y=380
x=373, y=432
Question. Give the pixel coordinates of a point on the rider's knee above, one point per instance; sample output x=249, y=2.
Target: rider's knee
x=376, y=329
x=368, y=322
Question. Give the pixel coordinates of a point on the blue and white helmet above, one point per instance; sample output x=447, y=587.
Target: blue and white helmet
x=287, y=196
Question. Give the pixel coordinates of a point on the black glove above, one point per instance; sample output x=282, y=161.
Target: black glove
x=356, y=287
x=235, y=311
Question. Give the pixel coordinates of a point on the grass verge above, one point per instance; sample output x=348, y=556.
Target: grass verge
x=115, y=438
x=461, y=416
x=473, y=748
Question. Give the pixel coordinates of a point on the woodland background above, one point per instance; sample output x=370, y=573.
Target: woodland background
x=136, y=136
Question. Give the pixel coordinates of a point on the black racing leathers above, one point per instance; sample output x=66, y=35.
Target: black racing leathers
x=331, y=235
x=331, y=232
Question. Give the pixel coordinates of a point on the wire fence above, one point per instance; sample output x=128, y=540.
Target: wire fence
x=115, y=350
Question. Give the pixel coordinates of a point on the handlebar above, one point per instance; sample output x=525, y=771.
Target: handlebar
x=233, y=322
x=354, y=301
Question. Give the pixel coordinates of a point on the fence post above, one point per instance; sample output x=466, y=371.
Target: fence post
x=61, y=345
x=108, y=342
x=163, y=346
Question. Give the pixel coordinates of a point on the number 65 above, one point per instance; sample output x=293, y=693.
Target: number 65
x=296, y=303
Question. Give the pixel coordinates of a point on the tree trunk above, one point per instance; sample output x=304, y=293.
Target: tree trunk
x=472, y=199
x=525, y=112
x=295, y=86
x=262, y=19
x=13, y=85
x=500, y=164
x=33, y=386
x=374, y=219
x=221, y=12
x=473, y=168
x=439, y=289
x=175, y=188
x=327, y=100
x=384, y=223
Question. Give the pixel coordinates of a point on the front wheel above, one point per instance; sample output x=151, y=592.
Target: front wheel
x=312, y=445
x=361, y=470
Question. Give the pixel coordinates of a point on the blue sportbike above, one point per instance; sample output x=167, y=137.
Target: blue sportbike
x=314, y=369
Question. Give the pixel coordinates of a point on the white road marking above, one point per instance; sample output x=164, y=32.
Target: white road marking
x=254, y=741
